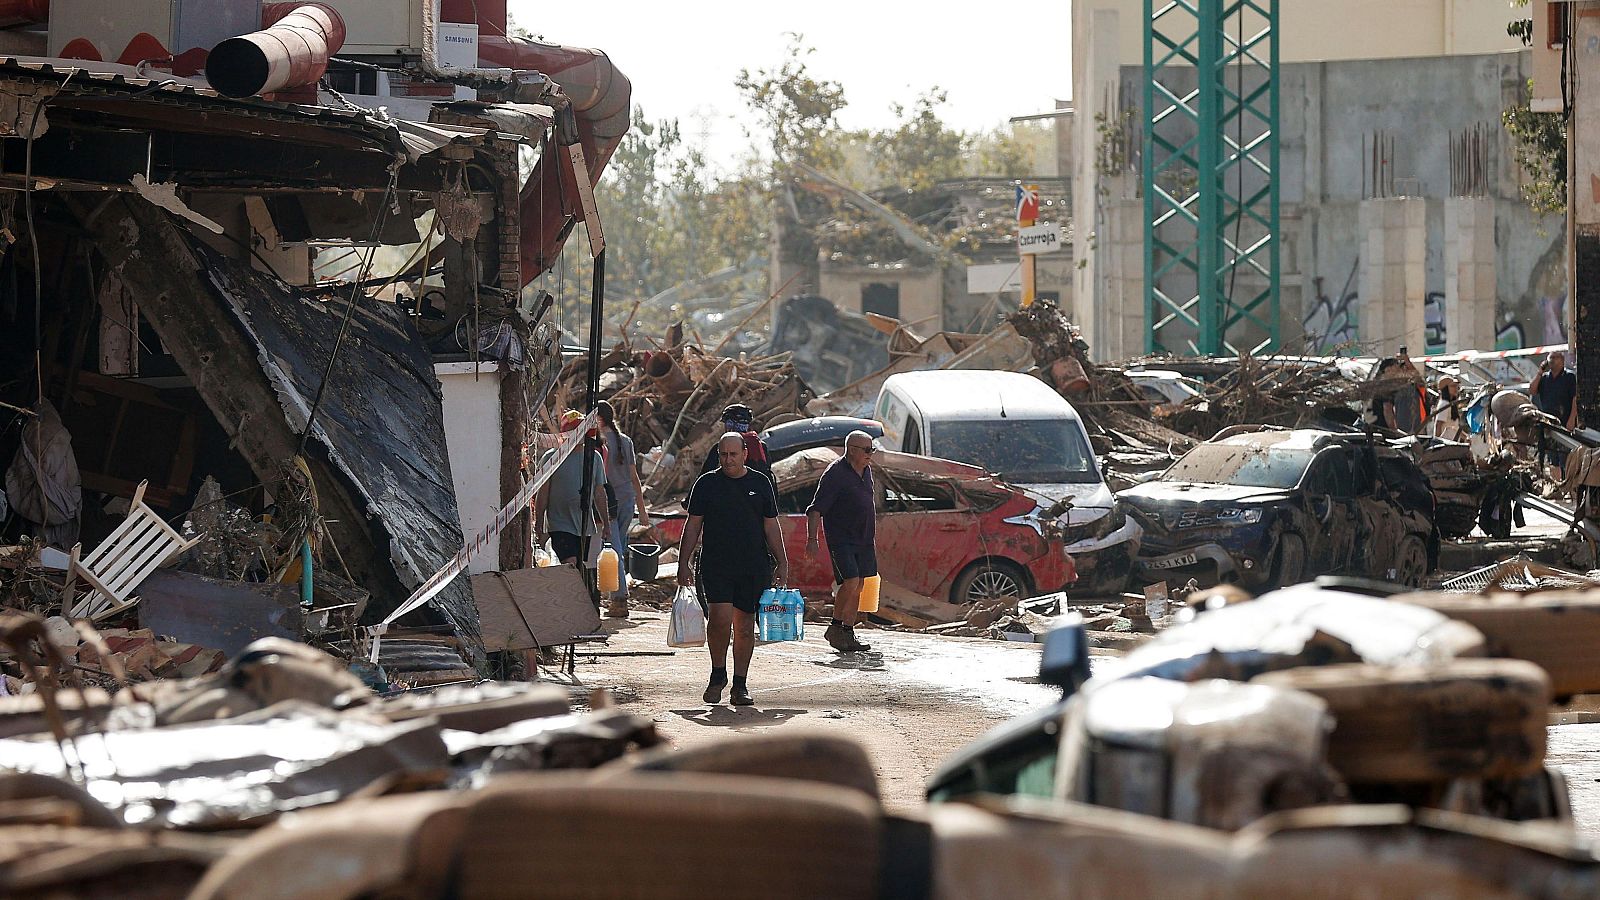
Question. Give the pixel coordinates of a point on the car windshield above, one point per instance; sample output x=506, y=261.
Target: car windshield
x=1022, y=451
x=1241, y=464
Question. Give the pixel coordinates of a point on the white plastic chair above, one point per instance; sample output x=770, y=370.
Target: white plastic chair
x=116, y=568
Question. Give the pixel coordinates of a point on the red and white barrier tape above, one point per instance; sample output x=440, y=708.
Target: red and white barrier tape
x=564, y=446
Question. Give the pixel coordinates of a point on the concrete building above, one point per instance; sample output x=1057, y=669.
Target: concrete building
x=864, y=263
x=1402, y=221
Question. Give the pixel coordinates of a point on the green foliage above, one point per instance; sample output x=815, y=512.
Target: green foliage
x=1539, y=146
x=798, y=113
x=921, y=150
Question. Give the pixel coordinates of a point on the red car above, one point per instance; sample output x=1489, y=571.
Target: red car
x=946, y=530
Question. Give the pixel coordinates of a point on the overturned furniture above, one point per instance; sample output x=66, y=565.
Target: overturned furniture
x=116, y=568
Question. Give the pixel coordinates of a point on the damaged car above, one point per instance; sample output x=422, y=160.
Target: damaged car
x=945, y=530
x=1273, y=507
x=1018, y=427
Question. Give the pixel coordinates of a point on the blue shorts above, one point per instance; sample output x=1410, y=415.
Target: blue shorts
x=853, y=561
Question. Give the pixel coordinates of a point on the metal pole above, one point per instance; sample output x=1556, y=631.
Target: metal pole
x=1208, y=81
x=590, y=444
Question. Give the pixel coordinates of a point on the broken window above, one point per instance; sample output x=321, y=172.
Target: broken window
x=1331, y=476
x=901, y=495
x=1245, y=465
x=881, y=298
x=796, y=500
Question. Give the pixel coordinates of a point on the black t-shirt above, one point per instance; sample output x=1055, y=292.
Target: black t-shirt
x=1556, y=394
x=733, y=535
x=754, y=446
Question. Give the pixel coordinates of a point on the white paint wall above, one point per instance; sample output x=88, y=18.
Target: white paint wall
x=472, y=435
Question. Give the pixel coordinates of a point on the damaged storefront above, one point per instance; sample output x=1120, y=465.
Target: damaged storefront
x=225, y=314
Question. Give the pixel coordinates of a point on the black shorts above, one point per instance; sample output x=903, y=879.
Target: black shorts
x=566, y=545
x=740, y=587
x=853, y=561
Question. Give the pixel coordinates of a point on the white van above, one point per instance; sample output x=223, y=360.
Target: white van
x=1019, y=428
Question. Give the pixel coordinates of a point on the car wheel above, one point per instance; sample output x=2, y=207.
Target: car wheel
x=989, y=579
x=1412, y=562
x=1289, y=567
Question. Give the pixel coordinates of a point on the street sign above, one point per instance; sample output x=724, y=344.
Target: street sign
x=1039, y=238
x=1027, y=204
x=994, y=278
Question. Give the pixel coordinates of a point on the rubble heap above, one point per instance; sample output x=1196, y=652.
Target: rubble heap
x=669, y=400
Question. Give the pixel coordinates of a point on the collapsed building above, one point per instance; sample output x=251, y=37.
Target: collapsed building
x=221, y=276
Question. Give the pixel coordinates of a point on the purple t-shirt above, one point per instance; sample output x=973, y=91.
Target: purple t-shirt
x=845, y=501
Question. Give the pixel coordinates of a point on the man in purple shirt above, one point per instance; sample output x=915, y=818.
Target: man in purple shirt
x=845, y=503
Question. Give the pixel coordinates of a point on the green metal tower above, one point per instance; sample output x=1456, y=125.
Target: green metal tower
x=1210, y=175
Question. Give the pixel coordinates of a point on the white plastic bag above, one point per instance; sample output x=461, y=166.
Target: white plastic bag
x=687, y=628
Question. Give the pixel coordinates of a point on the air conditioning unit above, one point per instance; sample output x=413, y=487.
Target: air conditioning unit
x=381, y=28
x=135, y=31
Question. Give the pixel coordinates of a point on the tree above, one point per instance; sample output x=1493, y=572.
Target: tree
x=920, y=150
x=798, y=112
x=1539, y=140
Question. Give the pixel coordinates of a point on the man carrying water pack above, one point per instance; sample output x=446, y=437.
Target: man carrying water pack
x=736, y=510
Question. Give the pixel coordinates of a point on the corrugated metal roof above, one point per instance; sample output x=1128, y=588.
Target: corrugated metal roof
x=415, y=139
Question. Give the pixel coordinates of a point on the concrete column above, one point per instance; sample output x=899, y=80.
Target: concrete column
x=1469, y=273
x=1393, y=273
x=1117, y=308
x=1583, y=205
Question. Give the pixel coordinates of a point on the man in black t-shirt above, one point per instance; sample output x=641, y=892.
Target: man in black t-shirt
x=736, y=511
x=1555, y=391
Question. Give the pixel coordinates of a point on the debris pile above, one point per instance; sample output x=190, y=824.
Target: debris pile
x=669, y=400
x=1118, y=415
x=279, y=727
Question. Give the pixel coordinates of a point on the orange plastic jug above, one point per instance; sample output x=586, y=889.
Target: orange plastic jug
x=869, y=593
x=610, y=571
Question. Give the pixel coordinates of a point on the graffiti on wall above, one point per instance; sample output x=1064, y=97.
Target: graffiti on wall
x=1332, y=321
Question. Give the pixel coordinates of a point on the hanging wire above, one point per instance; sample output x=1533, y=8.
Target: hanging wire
x=33, y=239
x=350, y=303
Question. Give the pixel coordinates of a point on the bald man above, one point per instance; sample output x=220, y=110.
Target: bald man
x=735, y=509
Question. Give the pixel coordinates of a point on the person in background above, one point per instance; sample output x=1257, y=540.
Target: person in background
x=738, y=419
x=1402, y=410
x=1555, y=392
x=737, y=512
x=845, y=504
x=1447, y=419
x=558, y=507
x=622, y=473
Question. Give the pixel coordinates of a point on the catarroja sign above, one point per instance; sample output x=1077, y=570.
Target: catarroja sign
x=1039, y=238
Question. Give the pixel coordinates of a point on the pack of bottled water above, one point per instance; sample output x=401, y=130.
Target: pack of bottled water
x=781, y=615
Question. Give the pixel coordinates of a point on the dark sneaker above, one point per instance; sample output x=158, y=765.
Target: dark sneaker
x=855, y=645
x=838, y=637
x=740, y=696
x=713, y=692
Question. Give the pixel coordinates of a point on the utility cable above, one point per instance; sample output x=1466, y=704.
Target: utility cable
x=350, y=305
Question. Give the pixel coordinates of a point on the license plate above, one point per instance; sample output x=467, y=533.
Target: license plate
x=1173, y=562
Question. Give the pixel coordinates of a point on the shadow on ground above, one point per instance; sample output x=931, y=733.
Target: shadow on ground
x=865, y=662
x=740, y=717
